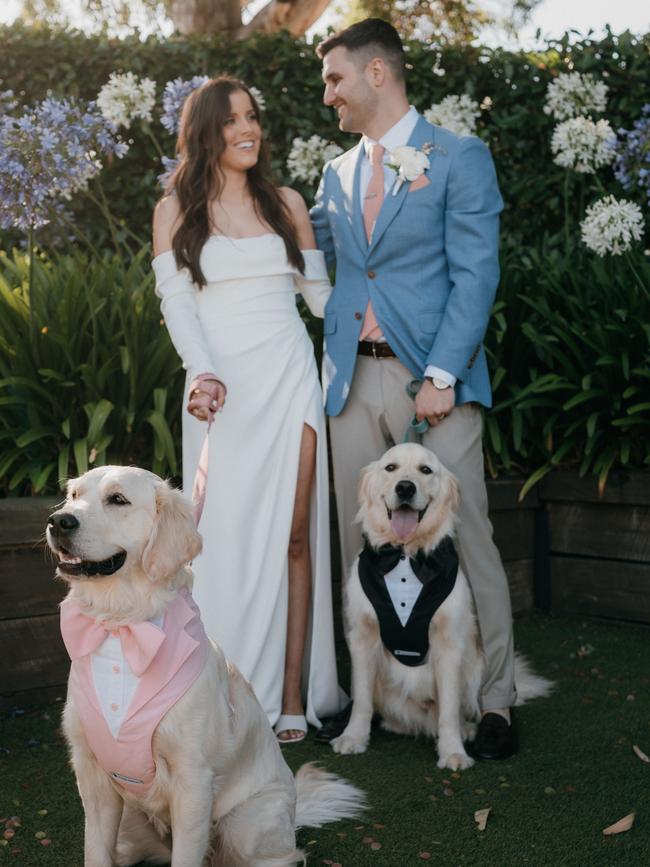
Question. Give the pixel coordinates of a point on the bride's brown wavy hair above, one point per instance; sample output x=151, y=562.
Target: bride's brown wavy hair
x=198, y=178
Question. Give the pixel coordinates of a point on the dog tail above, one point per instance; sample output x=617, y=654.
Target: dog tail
x=529, y=685
x=323, y=797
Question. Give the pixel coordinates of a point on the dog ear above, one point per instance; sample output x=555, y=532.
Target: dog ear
x=452, y=492
x=174, y=540
x=364, y=484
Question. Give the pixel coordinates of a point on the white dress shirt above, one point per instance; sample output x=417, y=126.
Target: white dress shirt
x=114, y=680
x=396, y=136
x=403, y=587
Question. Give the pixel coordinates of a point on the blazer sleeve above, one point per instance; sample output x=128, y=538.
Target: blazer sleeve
x=177, y=296
x=320, y=220
x=471, y=223
x=314, y=284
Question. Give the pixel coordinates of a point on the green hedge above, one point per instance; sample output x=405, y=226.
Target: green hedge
x=288, y=74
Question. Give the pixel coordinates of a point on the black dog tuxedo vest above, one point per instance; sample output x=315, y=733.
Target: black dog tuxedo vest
x=406, y=593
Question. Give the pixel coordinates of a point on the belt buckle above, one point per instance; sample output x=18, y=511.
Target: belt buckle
x=374, y=350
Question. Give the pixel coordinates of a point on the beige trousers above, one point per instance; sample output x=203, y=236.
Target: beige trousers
x=378, y=389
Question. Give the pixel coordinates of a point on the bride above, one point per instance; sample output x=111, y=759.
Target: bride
x=231, y=250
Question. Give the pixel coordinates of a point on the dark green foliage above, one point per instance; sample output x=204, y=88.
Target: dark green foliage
x=88, y=375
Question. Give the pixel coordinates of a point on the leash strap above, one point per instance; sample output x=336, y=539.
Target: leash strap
x=200, y=484
x=415, y=427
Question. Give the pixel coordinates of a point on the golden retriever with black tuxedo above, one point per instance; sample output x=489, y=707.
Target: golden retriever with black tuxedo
x=221, y=794
x=421, y=672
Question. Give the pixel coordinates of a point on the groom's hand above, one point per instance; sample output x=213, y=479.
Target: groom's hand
x=433, y=404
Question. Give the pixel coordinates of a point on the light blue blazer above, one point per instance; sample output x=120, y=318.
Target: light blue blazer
x=431, y=268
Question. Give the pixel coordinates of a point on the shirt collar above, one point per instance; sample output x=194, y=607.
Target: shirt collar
x=397, y=135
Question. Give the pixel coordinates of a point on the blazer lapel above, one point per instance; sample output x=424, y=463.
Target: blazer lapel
x=349, y=178
x=422, y=133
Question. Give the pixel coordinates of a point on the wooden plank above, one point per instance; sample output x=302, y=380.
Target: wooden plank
x=514, y=534
x=33, y=654
x=27, y=583
x=23, y=519
x=600, y=530
x=520, y=581
x=601, y=588
x=33, y=697
x=625, y=488
x=504, y=494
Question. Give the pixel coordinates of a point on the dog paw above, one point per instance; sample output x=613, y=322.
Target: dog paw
x=455, y=761
x=349, y=745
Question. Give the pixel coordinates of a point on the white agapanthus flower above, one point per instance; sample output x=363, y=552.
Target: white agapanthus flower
x=307, y=157
x=125, y=97
x=572, y=94
x=456, y=113
x=259, y=97
x=611, y=225
x=582, y=145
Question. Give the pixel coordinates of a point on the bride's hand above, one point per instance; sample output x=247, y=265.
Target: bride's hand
x=207, y=397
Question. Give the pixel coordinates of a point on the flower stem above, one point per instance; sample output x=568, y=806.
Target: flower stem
x=567, y=182
x=644, y=286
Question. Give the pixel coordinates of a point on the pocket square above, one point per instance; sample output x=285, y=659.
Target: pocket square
x=418, y=183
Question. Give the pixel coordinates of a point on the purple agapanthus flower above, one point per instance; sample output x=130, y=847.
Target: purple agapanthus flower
x=632, y=166
x=47, y=154
x=169, y=165
x=174, y=95
x=7, y=102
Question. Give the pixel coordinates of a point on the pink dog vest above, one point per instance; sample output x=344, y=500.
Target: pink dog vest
x=166, y=660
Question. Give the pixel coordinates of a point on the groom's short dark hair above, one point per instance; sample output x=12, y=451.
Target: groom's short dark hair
x=374, y=37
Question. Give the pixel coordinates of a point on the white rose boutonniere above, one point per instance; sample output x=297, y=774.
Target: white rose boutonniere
x=409, y=163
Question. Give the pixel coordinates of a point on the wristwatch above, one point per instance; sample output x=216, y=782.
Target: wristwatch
x=440, y=384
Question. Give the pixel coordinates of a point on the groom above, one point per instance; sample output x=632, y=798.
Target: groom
x=416, y=274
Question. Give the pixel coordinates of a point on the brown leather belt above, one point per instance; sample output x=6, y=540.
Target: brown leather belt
x=376, y=350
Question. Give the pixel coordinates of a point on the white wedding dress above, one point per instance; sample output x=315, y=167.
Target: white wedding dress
x=244, y=327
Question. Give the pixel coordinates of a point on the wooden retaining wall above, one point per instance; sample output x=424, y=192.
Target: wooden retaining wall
x=563, y=548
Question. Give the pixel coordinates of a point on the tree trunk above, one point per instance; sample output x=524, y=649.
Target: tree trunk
x=296, y=16
x=205, y=16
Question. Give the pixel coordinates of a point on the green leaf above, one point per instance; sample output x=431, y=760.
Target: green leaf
x=80, y=450
x=100, y=414
x=532, y=480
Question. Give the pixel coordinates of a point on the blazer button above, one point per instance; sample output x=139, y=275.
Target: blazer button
x=358, y=315
x=371, y=274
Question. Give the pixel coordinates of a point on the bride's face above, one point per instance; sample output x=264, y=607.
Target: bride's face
x=242, y=134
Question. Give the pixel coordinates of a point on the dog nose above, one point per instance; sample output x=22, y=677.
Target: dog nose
x=405, y=490
x=62, y=522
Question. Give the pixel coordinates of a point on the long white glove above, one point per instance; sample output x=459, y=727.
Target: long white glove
x=178, y=305
x=314, y=284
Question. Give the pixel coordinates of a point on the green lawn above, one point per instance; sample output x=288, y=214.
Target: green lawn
x=576, y=774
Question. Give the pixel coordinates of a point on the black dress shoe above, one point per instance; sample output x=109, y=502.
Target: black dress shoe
x=495, y=739
x=334, y=726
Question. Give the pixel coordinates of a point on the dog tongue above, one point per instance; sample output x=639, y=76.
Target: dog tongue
x=403, y=523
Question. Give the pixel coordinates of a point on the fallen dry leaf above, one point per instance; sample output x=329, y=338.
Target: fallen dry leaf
x=424, y=856
x=375, y=846
x=621, y=826
x=481, y=817
x=640, y=754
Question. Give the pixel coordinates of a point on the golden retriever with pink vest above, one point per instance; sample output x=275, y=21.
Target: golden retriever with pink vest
x=174, y=757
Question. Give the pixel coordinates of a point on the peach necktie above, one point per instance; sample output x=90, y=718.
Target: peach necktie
x=373, y=201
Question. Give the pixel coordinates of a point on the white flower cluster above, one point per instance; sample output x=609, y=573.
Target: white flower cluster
x=572, y=94
x=307, y=157
x=610, y=226
x=583, y=145
x=456, y=113
x=125, y=97
x=259, y=97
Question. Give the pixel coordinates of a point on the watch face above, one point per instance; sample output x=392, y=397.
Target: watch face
x=440, y=384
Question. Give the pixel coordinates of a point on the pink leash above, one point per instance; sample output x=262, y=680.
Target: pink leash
x=201, y=478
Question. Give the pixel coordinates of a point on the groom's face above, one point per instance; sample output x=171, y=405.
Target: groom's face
x=348, y=89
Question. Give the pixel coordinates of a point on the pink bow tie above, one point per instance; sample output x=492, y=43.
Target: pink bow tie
x=83, y=635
